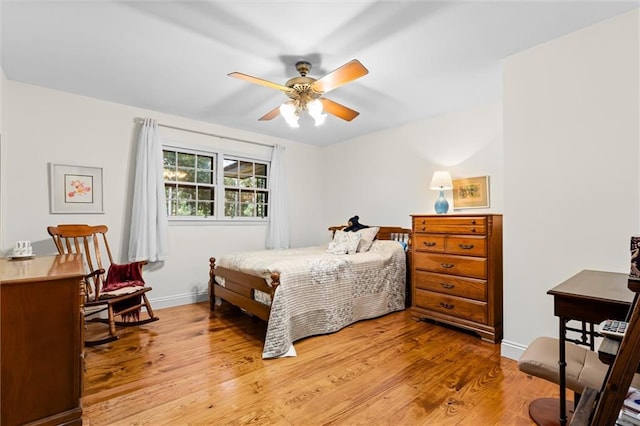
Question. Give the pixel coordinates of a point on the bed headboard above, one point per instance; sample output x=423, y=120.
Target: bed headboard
x=395, y=233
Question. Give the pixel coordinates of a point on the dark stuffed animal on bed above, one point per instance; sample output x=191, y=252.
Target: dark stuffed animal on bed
x=354, y=225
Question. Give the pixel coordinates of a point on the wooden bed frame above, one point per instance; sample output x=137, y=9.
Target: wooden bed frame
x=240, y=287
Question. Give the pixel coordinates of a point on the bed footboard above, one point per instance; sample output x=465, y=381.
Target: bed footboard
x=239, y=289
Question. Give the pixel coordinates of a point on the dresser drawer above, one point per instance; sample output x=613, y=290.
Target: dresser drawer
x=475, y=267
x=451, y=285
x=451, y=305
x=468, y=246
x=427, y=242
x=466, y=225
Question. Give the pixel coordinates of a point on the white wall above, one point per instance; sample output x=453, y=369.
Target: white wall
x=384, y=177
x=46, y=126
x=571, y=156
x=3, y=138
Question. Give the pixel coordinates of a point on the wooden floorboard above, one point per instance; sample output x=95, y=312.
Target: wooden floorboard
x=197, y=367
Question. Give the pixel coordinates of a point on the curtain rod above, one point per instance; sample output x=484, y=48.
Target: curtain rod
x=140, y=120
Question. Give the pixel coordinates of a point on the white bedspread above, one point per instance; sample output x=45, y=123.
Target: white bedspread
x=321, y=292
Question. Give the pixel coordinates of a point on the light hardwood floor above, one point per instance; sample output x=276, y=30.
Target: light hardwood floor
x=197, y=367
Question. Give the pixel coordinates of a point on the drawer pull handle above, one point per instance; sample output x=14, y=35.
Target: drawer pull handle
x=447, y=285
x=423, y=229
x=447, y=305
x=447, y=265
x=465, y=246
x=473, y=222
x=473, y=229
x=429, y=243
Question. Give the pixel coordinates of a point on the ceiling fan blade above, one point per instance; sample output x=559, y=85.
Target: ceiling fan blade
x=338, y=110
x=270, y=115
x=348, y=72
x=260, y=81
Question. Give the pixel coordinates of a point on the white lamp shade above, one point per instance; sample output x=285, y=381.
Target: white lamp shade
x=289, y=112
x=441, y=180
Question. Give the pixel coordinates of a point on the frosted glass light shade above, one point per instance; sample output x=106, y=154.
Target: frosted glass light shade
x=315, y=110
x=290, y=114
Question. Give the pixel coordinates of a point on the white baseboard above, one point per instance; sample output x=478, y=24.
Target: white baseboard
x=511, y=350
x=179, y=299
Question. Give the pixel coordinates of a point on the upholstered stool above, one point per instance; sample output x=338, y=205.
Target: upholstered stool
x=583, y=369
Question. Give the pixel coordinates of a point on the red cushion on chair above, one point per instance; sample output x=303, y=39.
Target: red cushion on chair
x=127, y=275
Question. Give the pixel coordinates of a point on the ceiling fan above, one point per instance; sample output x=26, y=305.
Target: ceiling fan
x=306, y=93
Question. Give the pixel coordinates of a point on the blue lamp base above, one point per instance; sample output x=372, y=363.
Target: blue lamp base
x=442, y=205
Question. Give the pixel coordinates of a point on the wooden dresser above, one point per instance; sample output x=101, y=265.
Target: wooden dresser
x=41, y=335
x=456, y=271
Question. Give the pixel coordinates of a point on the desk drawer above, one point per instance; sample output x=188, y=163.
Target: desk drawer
x=451, y=305
x=465, y=225
x=475, y=267
x=449, y=284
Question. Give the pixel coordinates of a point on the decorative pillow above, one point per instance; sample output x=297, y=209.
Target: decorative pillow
x=368, y=235
x=344, y=242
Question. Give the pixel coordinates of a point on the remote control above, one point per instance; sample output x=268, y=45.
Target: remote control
x=613, y=328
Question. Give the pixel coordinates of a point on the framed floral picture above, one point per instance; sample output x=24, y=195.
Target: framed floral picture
x=75, y=189
x=471, y=193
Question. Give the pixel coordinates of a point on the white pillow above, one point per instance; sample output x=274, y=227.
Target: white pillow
x=344, y=242
x=368, y=235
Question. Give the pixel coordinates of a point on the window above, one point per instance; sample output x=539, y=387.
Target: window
x=192, y=191
x=245, y=188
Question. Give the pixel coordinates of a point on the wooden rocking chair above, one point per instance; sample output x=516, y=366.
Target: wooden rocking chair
x=117, y=289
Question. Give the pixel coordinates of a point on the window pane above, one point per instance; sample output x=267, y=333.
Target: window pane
x=169, y=191
x=186, y=160
x=231, y=195
x=247, y=182
x=228, y=181
x=168, y=158
x=261, y=182
x=205, y=163
x=230, y=168
x=185, y=175
x=186, y=192
x=246, y=168
x=261, y=169
x=205, y=194
x=172, y=207
x=205, y=209
x=248, y=210
x=230, y=209
x=247, y=197
x=205, y=177
x=186, y=208
x=261, y=197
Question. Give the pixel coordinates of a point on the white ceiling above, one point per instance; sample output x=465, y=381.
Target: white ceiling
x=424, y=57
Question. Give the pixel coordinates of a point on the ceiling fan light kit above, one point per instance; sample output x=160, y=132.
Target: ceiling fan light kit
x=306, y=93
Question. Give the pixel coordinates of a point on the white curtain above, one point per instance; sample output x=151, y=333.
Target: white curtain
x=148, y=239
x=278, y=227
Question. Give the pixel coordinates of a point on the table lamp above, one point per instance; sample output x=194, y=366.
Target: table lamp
x=441, y=181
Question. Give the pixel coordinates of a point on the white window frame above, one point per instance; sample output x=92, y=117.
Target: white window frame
x=219, y=187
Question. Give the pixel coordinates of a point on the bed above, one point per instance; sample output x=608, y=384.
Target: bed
x=309, y=291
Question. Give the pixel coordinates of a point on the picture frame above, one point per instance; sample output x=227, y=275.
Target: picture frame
x=471, y=193
x=75, y=189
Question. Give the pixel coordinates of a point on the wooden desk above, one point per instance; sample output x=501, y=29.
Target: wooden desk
x=589, y=297
x=41, y=340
